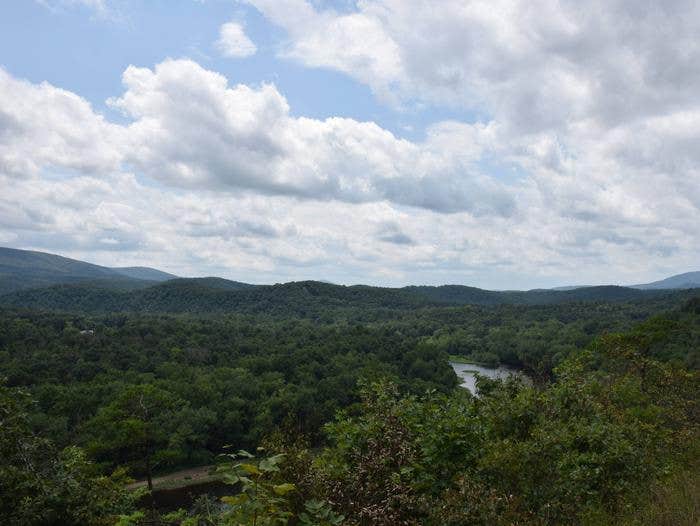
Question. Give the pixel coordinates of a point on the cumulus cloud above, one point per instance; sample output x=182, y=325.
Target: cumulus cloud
x=191, y=129
x=595, y=103
x=41, y=125
x=556, y=78
x=188, y=128
x=233, y=41
x=354, y=43
x=594, y=108
x=546, y=61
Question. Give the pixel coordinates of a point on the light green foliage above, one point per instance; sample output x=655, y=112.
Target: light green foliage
x=614, y=422
x=259, y=501
x=261, y=498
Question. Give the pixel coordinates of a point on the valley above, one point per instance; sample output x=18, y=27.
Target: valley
x=168, y=381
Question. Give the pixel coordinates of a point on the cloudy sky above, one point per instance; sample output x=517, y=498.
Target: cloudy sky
x=495, y=143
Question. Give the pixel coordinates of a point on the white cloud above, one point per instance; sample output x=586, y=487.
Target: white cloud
x=596, y=103
x=596, y=109
x=233, y=41
x=352, y=43
x=536, y=64
x=41, y=126
x=117, y=220
x=192, y=130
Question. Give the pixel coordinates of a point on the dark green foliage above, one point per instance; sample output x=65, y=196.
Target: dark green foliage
x=146, y=428
x=461, y=295
x=232, y=379
x=606, y=419
x=537, y=338
x=41, y=485
x=306, y=299
x=299, y=299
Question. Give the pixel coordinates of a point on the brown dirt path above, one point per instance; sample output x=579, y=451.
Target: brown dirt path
x=184, y=477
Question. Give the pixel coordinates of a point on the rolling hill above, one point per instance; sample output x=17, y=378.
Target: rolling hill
x=687, y=280
x=45, y=281
x=144, y=273
x=309, y=299
x=27, y=269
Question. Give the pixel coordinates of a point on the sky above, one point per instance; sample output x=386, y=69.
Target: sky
x=502, y=144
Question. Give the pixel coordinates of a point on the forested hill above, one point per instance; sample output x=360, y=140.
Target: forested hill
x=686, y=280
x=311, y=299
x=39, y=280
x=144, y=273
x=460, y=295
x=25, y=269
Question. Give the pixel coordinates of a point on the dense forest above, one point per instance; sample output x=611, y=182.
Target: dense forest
x=304, y=298
x=357, y=408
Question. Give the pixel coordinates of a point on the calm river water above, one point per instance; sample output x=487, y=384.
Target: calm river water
x=465, y=372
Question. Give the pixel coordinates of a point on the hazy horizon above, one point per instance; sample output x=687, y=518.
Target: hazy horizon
x=376, y=284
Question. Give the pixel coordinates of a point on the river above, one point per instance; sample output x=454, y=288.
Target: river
x=465, y=372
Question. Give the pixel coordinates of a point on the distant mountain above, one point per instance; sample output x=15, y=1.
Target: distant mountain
x=309, y=299
x=47, y=281
x=688, y=280
x=209, y=282
x=144, y=273
x=27, y=269
x=461, y=295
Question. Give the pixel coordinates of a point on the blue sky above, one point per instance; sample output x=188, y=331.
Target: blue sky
x=484, y=142
x=84, y=51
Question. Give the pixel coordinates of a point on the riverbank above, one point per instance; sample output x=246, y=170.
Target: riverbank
x=457, y=358
x=467, y=371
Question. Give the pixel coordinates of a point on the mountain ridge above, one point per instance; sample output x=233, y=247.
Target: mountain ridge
x=27, y=269
x=31, y=279
x=144, y=273
x=686, y=280
x=304, y=299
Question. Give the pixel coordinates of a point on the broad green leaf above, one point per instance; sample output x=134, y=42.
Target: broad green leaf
x=230, y=478
x=283, y=489
x=235, y=500
x=251, y=469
